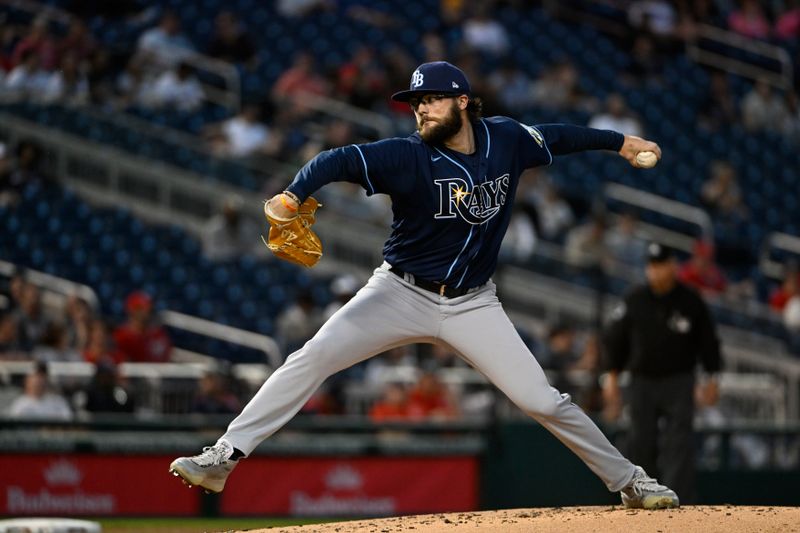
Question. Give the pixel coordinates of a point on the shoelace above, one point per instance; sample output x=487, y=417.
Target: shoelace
x=646, y=484
x=212, y=456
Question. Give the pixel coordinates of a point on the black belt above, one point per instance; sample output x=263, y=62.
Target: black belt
x=432, y=286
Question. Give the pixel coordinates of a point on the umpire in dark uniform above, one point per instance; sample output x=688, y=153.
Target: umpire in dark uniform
x=660, y=333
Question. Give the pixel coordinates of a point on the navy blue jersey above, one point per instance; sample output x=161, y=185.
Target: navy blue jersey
x=451, y=210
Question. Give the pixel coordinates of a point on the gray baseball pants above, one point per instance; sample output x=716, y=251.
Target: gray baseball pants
x=389, y=312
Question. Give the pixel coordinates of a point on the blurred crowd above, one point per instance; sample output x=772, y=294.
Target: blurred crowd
x=64, y=64
x=55, y=62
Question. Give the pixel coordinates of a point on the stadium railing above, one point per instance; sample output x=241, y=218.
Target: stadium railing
x=737, y=54
x=666, y=207
x=781, y=242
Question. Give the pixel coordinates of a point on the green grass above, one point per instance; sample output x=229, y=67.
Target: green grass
x=197, y=525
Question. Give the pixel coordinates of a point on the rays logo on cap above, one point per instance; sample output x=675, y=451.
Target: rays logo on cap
x=417, y=78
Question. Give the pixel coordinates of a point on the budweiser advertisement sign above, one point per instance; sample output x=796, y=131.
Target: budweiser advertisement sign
x=366, y=486
x=88, y=485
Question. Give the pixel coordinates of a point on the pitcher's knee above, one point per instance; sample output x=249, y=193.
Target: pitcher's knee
x=544, y=404
x=540, y=405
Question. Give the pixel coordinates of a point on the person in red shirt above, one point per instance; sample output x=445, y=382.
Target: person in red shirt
x=430, y=398
x=99, y=348
x=701, y=272
x=139, y=339
x=392, y=406
x=789, y=288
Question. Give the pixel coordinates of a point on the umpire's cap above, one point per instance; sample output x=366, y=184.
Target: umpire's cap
x=658, y=253
x=438, y=77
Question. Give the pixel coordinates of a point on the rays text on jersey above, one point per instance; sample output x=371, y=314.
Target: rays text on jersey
x=476, y=204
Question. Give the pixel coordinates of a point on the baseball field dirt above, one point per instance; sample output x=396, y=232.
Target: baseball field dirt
x=691, y=519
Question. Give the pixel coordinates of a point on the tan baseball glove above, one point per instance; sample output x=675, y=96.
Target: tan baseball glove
x=291, y=238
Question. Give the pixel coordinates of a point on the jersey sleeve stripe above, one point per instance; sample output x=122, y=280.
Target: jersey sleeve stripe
x=366, y=172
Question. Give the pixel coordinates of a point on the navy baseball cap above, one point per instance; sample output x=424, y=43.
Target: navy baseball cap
x=439, y=77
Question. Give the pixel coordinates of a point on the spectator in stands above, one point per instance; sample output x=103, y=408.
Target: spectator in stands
x=27, y=166
x=360, y=80
x=78, y=41
x=300, y=79
x=587, y=391
x=440, y=357
x=787, y=23
x=721, y=193
x=719, y=108
x=100, y=348
x=512, y=87
x=343, y=288
x=660, y=333
x=67, y=85
x=54, y=345
x=791, y=318
x=750, y=20
x=623, y=241
x=433, y=46
x=231, y=42
x=78, y=322
x=214, y=395
x=763, y=109
x=32, y=323
x=229, y=234
x=140, y=338
x=392, y=406
x=243, y=135
x=28, y=79
x=484, y=34
x=107, y=393
x=646, y=64
x=10, y=348
x=557, y=88
x=789, y=288
x=38, y=42
x=555, y=214
x=617, y=117
x=585, y=246
x=656, y=17
x=164, y=45
x=8, y=40
x=700, y=272
x=397, y=364
x=16, y=287
x=336, y=133
x=560, y=353
x=430, y=398
x=298, y=322
x=176, y=88
x=102, y=76
x=8, y=196
x=37, y=401
x=132, y=85
x=519, y=242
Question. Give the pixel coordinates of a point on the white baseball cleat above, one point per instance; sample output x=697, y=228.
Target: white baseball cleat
x=209, y=469
x=644, y=492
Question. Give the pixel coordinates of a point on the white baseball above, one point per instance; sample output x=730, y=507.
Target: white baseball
x=646, y=159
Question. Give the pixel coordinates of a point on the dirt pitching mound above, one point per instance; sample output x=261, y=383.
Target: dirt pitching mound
x=699, y=519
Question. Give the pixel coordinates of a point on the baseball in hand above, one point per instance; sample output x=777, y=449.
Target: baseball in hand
x=646, y=159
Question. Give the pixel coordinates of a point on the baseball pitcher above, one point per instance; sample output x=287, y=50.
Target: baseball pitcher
x=452, y=186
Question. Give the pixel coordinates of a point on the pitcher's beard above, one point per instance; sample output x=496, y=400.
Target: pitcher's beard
x=439, y=132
